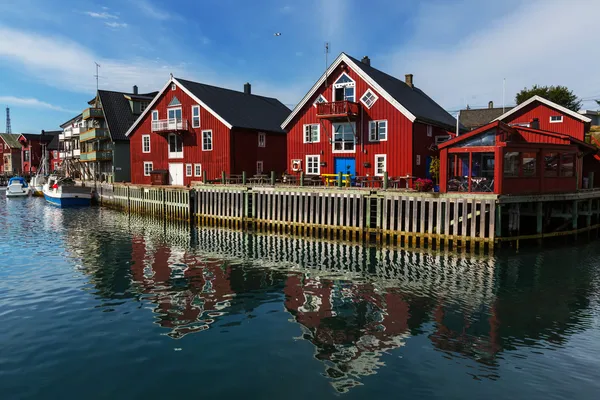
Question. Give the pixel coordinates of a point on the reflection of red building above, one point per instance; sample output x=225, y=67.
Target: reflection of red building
x=184, y=308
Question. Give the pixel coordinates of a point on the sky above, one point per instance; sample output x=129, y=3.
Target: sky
x=459, y=51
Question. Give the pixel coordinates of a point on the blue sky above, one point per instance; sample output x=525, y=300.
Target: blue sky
x=458, y=50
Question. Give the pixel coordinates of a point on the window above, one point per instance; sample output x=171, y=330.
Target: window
x=567, y=165
x=418, y=159
x=429, y=131
x=551, y=165
x=207, y=144
x=173, y=86
x=195, y=116
x=311, y=133
x=26, y=155
x=369, y=98
x=554, y=119
x=175, y=147
x=188, y=169
x=319, y=100
x=145, y=143
x=380, y=164
x=197, y=169
x=55, y=154
x=483, y=139
x=343, y=88
x=529, y=163
x=512, y=161
x=143, y=106
x=313, y=165
x=259, y=167
x=262, y=139
x=377, y=131
x=175, y=120
x=441, y=139
x=343, y=137
x=147, y=168
x=154, y=115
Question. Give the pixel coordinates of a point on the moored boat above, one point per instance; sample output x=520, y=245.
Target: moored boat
x=37, y=185
x=62, y=192
x=17, y=187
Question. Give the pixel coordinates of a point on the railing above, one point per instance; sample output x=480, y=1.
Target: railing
x=169, y=125
x=337, y=109
x=77, y=130
x=96, y=155
x=94, y=133
x=61, y=136
x=92, y=113
x=63, y=155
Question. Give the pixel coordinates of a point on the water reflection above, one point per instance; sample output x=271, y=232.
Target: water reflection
x=355, y=305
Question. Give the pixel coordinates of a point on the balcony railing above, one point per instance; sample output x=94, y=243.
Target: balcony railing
x=92, y=113
x=169, y=125
x=338, y=109
x=96, y=155
x=77, y=130
x=76, y=153
x=62, y=155
x=94, y=134
x=61, y=137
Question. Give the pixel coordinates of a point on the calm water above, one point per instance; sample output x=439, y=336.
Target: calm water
x=95, y=304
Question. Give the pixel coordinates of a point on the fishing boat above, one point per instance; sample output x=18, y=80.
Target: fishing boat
x=17, y=187
x=62, y=192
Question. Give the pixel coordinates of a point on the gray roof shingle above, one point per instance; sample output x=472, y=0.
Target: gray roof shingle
x=474, y=118
x=241, y=110
x=12, y=140
x=117, y=112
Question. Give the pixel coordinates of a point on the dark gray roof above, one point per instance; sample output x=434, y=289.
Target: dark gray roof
x=69, y=122
x=413, y=99
x=474, y=118
x=53, y=145
x=117, y=112
x=241, y=110
x=11, y=139
x=37, y=137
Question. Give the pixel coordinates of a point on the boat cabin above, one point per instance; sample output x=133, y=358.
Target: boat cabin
x=502, y=159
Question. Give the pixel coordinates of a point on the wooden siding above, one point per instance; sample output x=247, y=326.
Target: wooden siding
x=398, y=147
x=422, y=145
x=213, y=162
x=246, y=152
x=570, y=126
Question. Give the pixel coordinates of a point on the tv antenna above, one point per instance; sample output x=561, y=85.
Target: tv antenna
x=8, y=127
x=326, y=61
x=97, y=76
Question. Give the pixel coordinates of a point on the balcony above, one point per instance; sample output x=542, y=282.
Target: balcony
x=61, y=137
x=76, y=153
x=338, y=109
x=94, y=134
x=77, y=130
x=62, y=155
x=169, y=125
x=99, y=155
x=92, y=113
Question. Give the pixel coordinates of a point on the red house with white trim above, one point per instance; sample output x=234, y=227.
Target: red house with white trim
x=193, y=130
x=359, y=120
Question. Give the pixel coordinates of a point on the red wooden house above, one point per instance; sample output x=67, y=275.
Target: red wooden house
x=10, y=153
x=193, y=130
x=359, y=120
x=502, y=159
x=33, y=150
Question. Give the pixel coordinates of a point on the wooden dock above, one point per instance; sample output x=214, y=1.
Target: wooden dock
x=457, y=221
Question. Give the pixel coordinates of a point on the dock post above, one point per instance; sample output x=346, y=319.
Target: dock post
x=499, y=223
x=272, y=178
x=339, y=179
x=244, y=178
x=222, y=177
x=301, y=178
x=385, y=180
x=540, y=220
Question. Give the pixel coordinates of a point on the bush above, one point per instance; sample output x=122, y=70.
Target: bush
x=423, y=185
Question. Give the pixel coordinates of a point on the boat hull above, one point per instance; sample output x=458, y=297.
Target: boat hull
x=68, y=200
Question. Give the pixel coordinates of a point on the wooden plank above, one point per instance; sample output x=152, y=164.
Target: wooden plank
x=414, y=227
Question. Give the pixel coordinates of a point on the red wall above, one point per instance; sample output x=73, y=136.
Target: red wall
x=245, y=152
x=421, y=146
x=569, y=126
x=398, y=147
x=35, y=154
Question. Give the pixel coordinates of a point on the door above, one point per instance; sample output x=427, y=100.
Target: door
x=345, y=166
x=176, y=174
x=174, y=115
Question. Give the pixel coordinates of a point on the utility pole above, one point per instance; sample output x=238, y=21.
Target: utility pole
x=97, y=76
x=326, y=61
x=8, y=127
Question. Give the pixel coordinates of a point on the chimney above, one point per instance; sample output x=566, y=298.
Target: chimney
x=409, y=80
x=491, y=104
x=366, y=60
x=535, y=123
x=247, y=88
x=135, y=89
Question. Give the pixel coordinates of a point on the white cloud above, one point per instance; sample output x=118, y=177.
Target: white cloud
x=31, y=103
x=286, y=9
x=152, y=11
x=116, y=24
x=102, y=15
x=537, y=42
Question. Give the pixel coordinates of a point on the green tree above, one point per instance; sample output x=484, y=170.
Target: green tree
x=558, y=94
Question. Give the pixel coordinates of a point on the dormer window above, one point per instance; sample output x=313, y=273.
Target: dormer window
x=143, y=106
x=319, y=100
x=369, y=98
x=343, y=88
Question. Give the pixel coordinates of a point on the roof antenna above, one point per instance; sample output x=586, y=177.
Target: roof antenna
x=97, y=76
x=503, y=94
x=326, y=61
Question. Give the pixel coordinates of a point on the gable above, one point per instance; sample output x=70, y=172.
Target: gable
x=174, y=102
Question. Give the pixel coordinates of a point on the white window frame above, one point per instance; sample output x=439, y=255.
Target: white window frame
x=374, y=100
x=197, y=167
x=333, y=142
x=196, y=107
x=173, y=86
x=429, y=131
x=378, y=138
x=557, y=121
x=319, y=102
x=318, y=133
x=262, y=139
x=260, y=167
x=154, y=115
x=175, y=154
x=189, y=170
x=384, y=156
x=146, y=163
x=344, y=85
x=211, y=139
x=318, y=157
x=144, y=137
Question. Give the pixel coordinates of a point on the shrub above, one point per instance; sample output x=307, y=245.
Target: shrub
x=423, y=185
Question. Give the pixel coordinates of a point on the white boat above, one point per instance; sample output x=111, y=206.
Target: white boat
x=17, y=187
x=37, y=185
x=62, y=192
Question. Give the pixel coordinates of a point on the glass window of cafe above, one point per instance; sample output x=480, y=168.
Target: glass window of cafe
x=471, y=172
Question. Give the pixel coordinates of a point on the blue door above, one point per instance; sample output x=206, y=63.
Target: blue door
x=345, y=166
